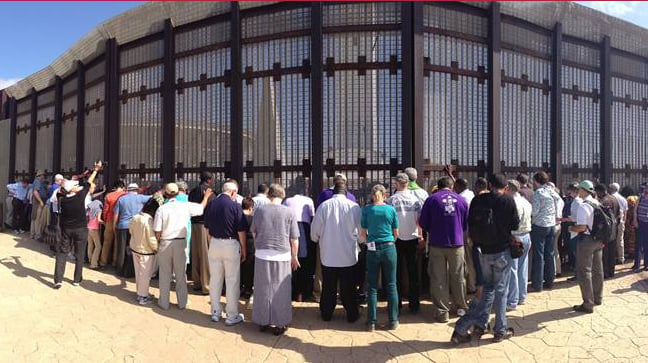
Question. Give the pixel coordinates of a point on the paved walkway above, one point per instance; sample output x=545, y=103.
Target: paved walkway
x=99, y=322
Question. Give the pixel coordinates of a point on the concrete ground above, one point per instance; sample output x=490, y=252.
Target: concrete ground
x=99, y=321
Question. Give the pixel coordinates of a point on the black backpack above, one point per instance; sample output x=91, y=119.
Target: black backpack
x=481, y=225
x=603, y=226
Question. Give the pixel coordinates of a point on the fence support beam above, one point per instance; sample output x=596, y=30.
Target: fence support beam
x=12, y=139
x=606, y=113
x=236, y=128
x=80, y=116
x=317, y=107
x=494, y=88
x=111, y=112
x=556, y=106
x=58, y=125
x=32, y=133
x=168, y=111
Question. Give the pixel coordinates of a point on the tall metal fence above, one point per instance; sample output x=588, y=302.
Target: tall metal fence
x=295, y=92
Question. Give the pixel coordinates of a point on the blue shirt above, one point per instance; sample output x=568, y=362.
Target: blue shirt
x=224, y=218
x=445, y=217
x=39, y=186
x=379, y=221
x=128, y=207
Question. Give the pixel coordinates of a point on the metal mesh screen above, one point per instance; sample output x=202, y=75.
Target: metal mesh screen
x=203, y=109
x=455, y=89
x=94, y=124
x=580, y=106
x=68, y=134
x=140, y=109
x=276, y=22
x=44, y=138
x=361, y=14
x=95, y=72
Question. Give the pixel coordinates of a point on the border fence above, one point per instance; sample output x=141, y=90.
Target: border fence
x=294, y=92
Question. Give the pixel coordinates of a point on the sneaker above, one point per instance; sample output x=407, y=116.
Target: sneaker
x=393, y=325
x=443, y=318
x=216, y=316
x=58, y=285
x=461, y=312
x=511, y=308
x=144, y=300
x=371, y=327
x=76, y=283
x=236, y=319
x=460, y=339
x=501, y=336
x=521, y=302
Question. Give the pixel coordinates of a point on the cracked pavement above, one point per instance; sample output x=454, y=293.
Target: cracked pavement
x=100, y=322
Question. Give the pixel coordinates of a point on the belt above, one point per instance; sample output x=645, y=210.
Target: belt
x=378, y=243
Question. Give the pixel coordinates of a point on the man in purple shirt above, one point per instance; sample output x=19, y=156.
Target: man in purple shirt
x=445, y=217
x=327, y=194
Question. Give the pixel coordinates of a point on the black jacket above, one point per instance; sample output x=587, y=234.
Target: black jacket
x=505, y=217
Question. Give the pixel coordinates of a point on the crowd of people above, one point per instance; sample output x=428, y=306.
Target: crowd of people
x=474, y=251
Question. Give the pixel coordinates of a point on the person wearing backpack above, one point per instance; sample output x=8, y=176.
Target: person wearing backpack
x=612, y=208
x=491, y=219
x=589, y=250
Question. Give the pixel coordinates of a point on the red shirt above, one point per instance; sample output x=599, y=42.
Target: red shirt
x=109, y=205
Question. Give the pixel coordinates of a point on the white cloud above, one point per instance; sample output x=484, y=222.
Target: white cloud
x=614, y=8
x=6, y=82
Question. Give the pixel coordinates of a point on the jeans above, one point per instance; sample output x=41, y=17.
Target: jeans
x=77, y=237
x=383, y=258
x=544, y=267
x=589, y=269
x=517, y=288
x=345, y=276
x=406, y=251
x=641, y=246
x=496, y=269
x=225, y=265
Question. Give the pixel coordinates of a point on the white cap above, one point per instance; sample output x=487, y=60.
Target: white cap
x=58, y=177
x=132, y=186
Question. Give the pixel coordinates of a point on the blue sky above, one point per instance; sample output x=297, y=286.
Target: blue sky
x=36, y=33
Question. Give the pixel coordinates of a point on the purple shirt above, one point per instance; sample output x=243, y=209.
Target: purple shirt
x=445, y=217
x=327, y=194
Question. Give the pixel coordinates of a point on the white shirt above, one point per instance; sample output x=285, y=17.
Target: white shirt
x=585, y=213
x=335, y=227
x=468, y=196
x=259, y=200
x=408, y=208
x=623, y=205
x=524, y=212
x=173, y=217
x=302, y=207
x=572, y=215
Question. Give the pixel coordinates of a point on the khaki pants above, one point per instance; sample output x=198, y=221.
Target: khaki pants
x=619, y=240
x=143, y=272
x=172, y=260
x=589, y=269
x=447, y=279
x=225, y=266
x=94, y=247
x=199, y=257
x=38, y=219
x=108, y=252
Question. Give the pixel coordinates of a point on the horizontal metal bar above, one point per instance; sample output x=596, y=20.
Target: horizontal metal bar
x=201, y=50
x=526, y=51
x=275, y=36
x=361, y=28
x=144, y=65
x=455, y=34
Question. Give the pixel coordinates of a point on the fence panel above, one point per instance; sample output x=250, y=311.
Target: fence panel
x=69, y=125
x=94, y=113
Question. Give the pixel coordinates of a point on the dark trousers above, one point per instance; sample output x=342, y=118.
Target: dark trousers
x=360, y=274
x=609, y=258
x=479, y=276
x=303, y=279
x=125, y=267
x=569, y=246
x=406, y=251
x=18, y=213
x=26, y=217
x=247, y=268
x=641, y=246
x=331, y=276
x=77, y=237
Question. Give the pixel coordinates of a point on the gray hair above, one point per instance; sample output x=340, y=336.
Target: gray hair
x=230, y=187
x=378, y=188
x=614, y=187
x=513, y=185
x=182, y=186
x=276, y=191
